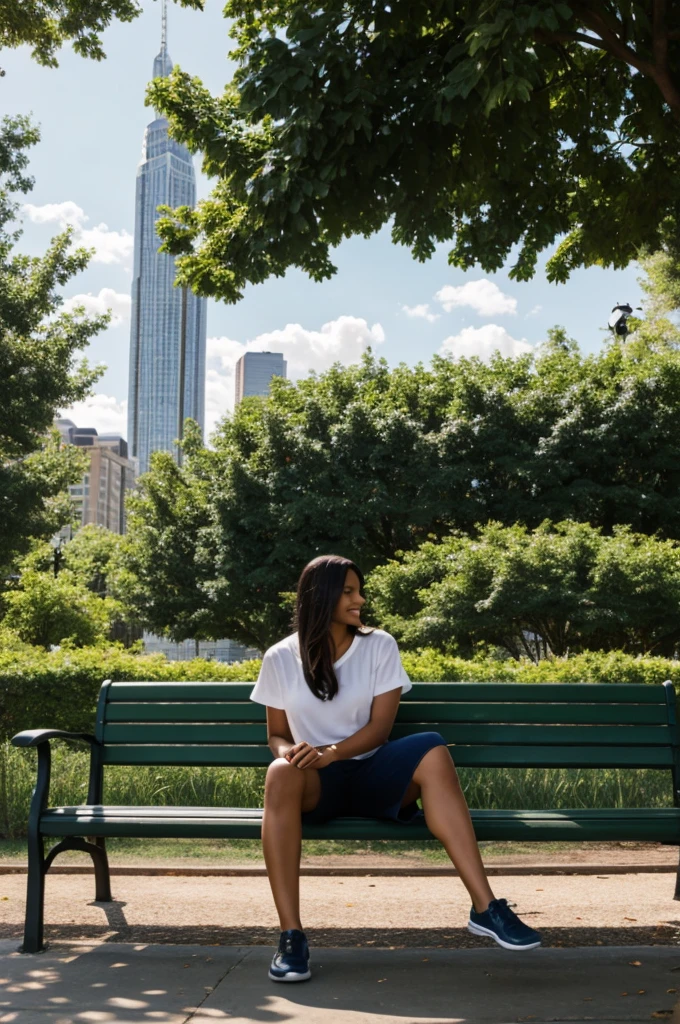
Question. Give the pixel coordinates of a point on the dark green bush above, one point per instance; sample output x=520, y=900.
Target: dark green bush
x=59, y=689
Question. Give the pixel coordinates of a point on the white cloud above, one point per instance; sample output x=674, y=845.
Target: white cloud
x=534, y=312
x=110, y=246
x=118, y=302
x=483, y=342
x=62, y=214
x=342, y=340
x=483, y=296
x=104, y=412
x=422, y=311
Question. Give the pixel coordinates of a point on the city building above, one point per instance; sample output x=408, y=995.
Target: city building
x=168, y=326
x=100, y=496
x=212, y=650
x=254, y=372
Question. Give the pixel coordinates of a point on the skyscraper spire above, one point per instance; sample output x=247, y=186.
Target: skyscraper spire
x=162, y=66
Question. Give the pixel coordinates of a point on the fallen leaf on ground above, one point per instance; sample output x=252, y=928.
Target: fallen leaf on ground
x=661, y=1014
x=635, y=963
x=641, y=991
x=670, y=990
x=349, y=904
x=630, y=919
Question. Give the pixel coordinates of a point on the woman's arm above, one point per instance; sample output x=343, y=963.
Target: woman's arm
x=375, y=733
x=279, y=736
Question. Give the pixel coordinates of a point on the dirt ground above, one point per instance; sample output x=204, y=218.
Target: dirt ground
x=575, y=910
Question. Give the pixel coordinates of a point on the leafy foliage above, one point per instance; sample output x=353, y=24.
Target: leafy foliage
x=59, y=689
x=38, y=369
x=93, y=558
x=47, y=610
x=46, y=25
x=502, y=126
x=369, y=461
x=558, y=589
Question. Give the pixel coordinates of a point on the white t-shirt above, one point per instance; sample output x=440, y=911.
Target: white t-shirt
x=370, y=666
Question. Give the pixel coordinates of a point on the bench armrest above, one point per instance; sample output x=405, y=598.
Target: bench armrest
x=33, y=737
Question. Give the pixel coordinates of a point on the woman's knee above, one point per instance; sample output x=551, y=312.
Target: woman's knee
x=435, y=761
x=283, y=778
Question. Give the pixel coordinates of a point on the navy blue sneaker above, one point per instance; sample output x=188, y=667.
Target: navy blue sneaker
x=499, y=922
x=291, y=960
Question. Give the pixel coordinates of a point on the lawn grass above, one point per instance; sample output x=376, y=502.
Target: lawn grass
x=209, y=852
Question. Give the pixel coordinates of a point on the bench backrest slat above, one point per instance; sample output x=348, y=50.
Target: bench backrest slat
x=556, y=714
x=465, y=756
x=589, y=693
x=464, y=734
x=504, y=724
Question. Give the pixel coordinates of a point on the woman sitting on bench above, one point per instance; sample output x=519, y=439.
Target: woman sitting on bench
x=332, y=691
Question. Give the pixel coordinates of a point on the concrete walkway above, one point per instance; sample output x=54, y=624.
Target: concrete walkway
x=117, y=983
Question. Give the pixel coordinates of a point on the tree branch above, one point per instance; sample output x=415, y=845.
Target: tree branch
x=607, y=39
x=660, y=33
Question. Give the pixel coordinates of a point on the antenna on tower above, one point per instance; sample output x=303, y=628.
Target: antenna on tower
x=164, y=28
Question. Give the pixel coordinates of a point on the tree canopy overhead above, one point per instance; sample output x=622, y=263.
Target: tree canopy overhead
x=46, y=25
x=501, y=127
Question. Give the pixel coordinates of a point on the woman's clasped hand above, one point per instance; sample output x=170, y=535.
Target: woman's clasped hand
x=304, y=755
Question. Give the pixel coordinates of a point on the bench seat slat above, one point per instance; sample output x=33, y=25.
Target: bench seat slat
x=591, y=693
x=500, y=734
x=555, y=714
x=662, y=825
x=106, y=811
x=549, y=756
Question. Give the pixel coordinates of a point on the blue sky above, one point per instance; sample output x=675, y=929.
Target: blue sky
x=92, y=117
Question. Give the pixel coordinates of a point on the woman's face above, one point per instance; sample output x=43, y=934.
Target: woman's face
x=348, y=609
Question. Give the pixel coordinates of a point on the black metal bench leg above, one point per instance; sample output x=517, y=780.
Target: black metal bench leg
x=35, y=897
x=102, y=876
x=677, y=883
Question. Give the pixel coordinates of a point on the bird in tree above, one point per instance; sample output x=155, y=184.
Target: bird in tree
x=504, y=128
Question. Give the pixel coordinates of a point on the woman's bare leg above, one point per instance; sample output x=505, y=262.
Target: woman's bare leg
x=288, y=792
x=448, y=818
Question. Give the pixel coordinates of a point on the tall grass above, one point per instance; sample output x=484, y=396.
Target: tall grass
x=526, y=788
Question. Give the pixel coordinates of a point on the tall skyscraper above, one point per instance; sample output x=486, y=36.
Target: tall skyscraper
x=254, y=372
x=168, y=332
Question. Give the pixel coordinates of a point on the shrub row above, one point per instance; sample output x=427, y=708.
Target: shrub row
x=59, y=689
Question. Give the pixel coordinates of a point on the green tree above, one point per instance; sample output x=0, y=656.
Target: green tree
x=46, y=25
x=501, y=126
x=559, y=589
x=94, y=557
x=166, y=573
x=368, y=461
x=39, y=372
x=47, y=610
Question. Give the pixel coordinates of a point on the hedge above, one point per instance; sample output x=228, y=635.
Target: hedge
x=59, y=689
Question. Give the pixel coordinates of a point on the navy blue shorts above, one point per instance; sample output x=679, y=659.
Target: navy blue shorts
x=373, y=787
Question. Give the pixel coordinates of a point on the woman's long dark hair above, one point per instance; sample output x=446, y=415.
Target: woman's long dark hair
x=319, y=589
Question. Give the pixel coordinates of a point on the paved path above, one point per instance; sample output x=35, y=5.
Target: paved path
x=361, y=911
x=115, y=983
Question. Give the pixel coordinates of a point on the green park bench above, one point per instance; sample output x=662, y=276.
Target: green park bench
x=503, y=725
